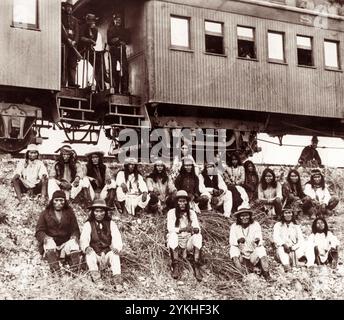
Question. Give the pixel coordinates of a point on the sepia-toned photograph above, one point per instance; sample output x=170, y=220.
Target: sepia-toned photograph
x=185, y=150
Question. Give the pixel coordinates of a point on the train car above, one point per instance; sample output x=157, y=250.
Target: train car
x=30, y=69
x=245, y=66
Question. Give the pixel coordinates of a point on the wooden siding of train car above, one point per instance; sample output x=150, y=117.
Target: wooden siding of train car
x=31, y=58
x=196, y=78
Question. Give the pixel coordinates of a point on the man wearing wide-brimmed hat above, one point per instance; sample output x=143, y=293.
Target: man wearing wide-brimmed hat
x=309, y=156
x=101, y=241
x=289, y=240
x=31, y=175
x=67, y=174
x=184, y=232
x=118, y=38
x=58, y=233
x=132, y=193
x=101, y=183
x=88, y=40
x=161, y=189
x=319, y=200
x=70, y=38
x=246, y=243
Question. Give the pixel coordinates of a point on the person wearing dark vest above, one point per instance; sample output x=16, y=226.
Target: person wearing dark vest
x=88, y=40
x=101, y=184
x=58, y=233
x=70, y=38
x=214, y=193
x=118, y=37
x=101, y=242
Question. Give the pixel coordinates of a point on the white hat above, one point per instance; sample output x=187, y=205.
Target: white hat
x=130, y=161
x=94, y=150
x=32, y=147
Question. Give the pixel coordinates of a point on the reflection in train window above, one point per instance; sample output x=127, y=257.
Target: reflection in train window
x=246, y=42
x=304, y=51
x=214, y=37
x=180, y=32
x=276, y=46
x=25, y=14
x=331, y=54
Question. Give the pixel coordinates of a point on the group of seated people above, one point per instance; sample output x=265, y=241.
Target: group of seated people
x=232, y=189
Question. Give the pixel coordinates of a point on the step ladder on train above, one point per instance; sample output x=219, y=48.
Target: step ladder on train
x=77, y=117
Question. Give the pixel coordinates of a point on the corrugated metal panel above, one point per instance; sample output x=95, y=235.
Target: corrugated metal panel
x=196, y=78
x=31, y=58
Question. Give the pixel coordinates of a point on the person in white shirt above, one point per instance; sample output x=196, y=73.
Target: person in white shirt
x=214, y=191
x=183, y=232
x=101, y=242
x=319, y=200
x=132, y=193
x=246, y=243
x=322, y=245
x=289, y=240
x=31, y=175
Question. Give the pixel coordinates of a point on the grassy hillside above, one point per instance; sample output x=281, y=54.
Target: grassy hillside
x=145, y=258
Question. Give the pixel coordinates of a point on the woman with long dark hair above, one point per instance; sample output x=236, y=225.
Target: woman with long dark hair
x=293, y=195
x=319, y=200
x=251, y=180
x=270, y=192
x=322, y=245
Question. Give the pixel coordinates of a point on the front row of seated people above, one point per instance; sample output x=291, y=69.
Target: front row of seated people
x=59, y=236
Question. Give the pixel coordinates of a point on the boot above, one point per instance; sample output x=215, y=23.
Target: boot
x=196, y=265
x=265, y=269
x=16, y=185
x=53, y=260
x=87, y=197
x=74, y=260
x=175, y=264
x=123, y=208
x=111, y=197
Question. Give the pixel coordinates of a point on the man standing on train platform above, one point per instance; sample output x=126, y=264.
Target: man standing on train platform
x=70, y=38
x=118, y=37
x=88, y=40
x=309, y=156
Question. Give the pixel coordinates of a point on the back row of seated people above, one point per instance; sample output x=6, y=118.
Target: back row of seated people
x=131, y=193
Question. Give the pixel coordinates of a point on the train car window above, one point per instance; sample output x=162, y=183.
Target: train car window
x=304, y=51
x=276, y=46
x=331, y=54
x=246, y=42
x=25, y=14
x=180, y=32
x=214, y=37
